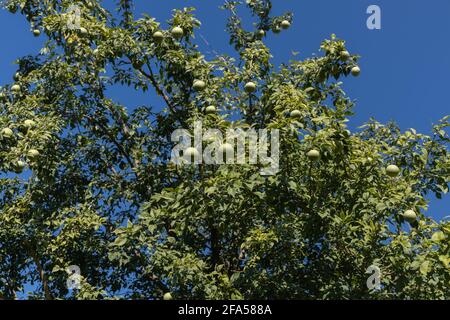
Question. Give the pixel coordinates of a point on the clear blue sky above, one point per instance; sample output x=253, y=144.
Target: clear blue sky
x=405, y=65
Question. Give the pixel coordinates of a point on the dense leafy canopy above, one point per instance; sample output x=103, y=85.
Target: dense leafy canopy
x=87, y=181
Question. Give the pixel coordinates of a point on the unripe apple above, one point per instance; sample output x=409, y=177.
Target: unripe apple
x=295, y=114
x=410, y=216
x=7, y=133
x=191, y=152
x=260, y=34
x=33, y=154
x=392, y=170
x=313, y=155
x=210, y=109
x=158, y=36
x=15, y=88
x=355, y=71
x=285, y=24
x=177, y=32
x=19, y=166
x=16, y=76
x=29, y=123
x=167, y=296
x=36, y=32
x=345, y=55
x=83, y=31
x=250, y=87
x=199, y=85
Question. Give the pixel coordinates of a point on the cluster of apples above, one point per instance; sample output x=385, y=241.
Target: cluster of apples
x=224, y=148
x=176, y=32
x=345, y=56
x=285, y=24
x=200, y=85
x=15, y=88
x=32, y=154
x=391, y=170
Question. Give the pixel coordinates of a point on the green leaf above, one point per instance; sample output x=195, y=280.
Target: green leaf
x=120, y=241
x=445, y=260
x=425, y=267
x=438, y=236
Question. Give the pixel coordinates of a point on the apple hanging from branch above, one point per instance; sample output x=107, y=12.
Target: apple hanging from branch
x=313, y=155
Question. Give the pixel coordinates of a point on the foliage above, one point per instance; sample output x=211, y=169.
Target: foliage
x=102, y=195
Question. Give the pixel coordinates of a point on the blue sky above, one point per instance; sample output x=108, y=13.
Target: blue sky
x=405, y=65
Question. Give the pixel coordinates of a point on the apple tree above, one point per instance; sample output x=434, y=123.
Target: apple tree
x=87, y=181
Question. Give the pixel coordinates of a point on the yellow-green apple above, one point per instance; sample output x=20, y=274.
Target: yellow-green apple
x=313, y=155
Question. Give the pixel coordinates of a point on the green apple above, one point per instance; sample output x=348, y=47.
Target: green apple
x=199, y=85
x=32, y=154
x=250, y=87
x=392, y=170
x=313, y=155
x=15, y=88
x=260, y=34
x=210, y=109
x=29, y=123
x=177, y=32
x=410, y=216
x=7, y=133
x=17, y=76
x=19, y=166
x=285, y=24
x=295, y=114
x=355, y=71
x=158, y=36
x=83, y=31
x=36, y=32
x=167, y=296
x=344, y=55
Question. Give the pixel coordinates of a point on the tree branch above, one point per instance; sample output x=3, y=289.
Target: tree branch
x=42, y=276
